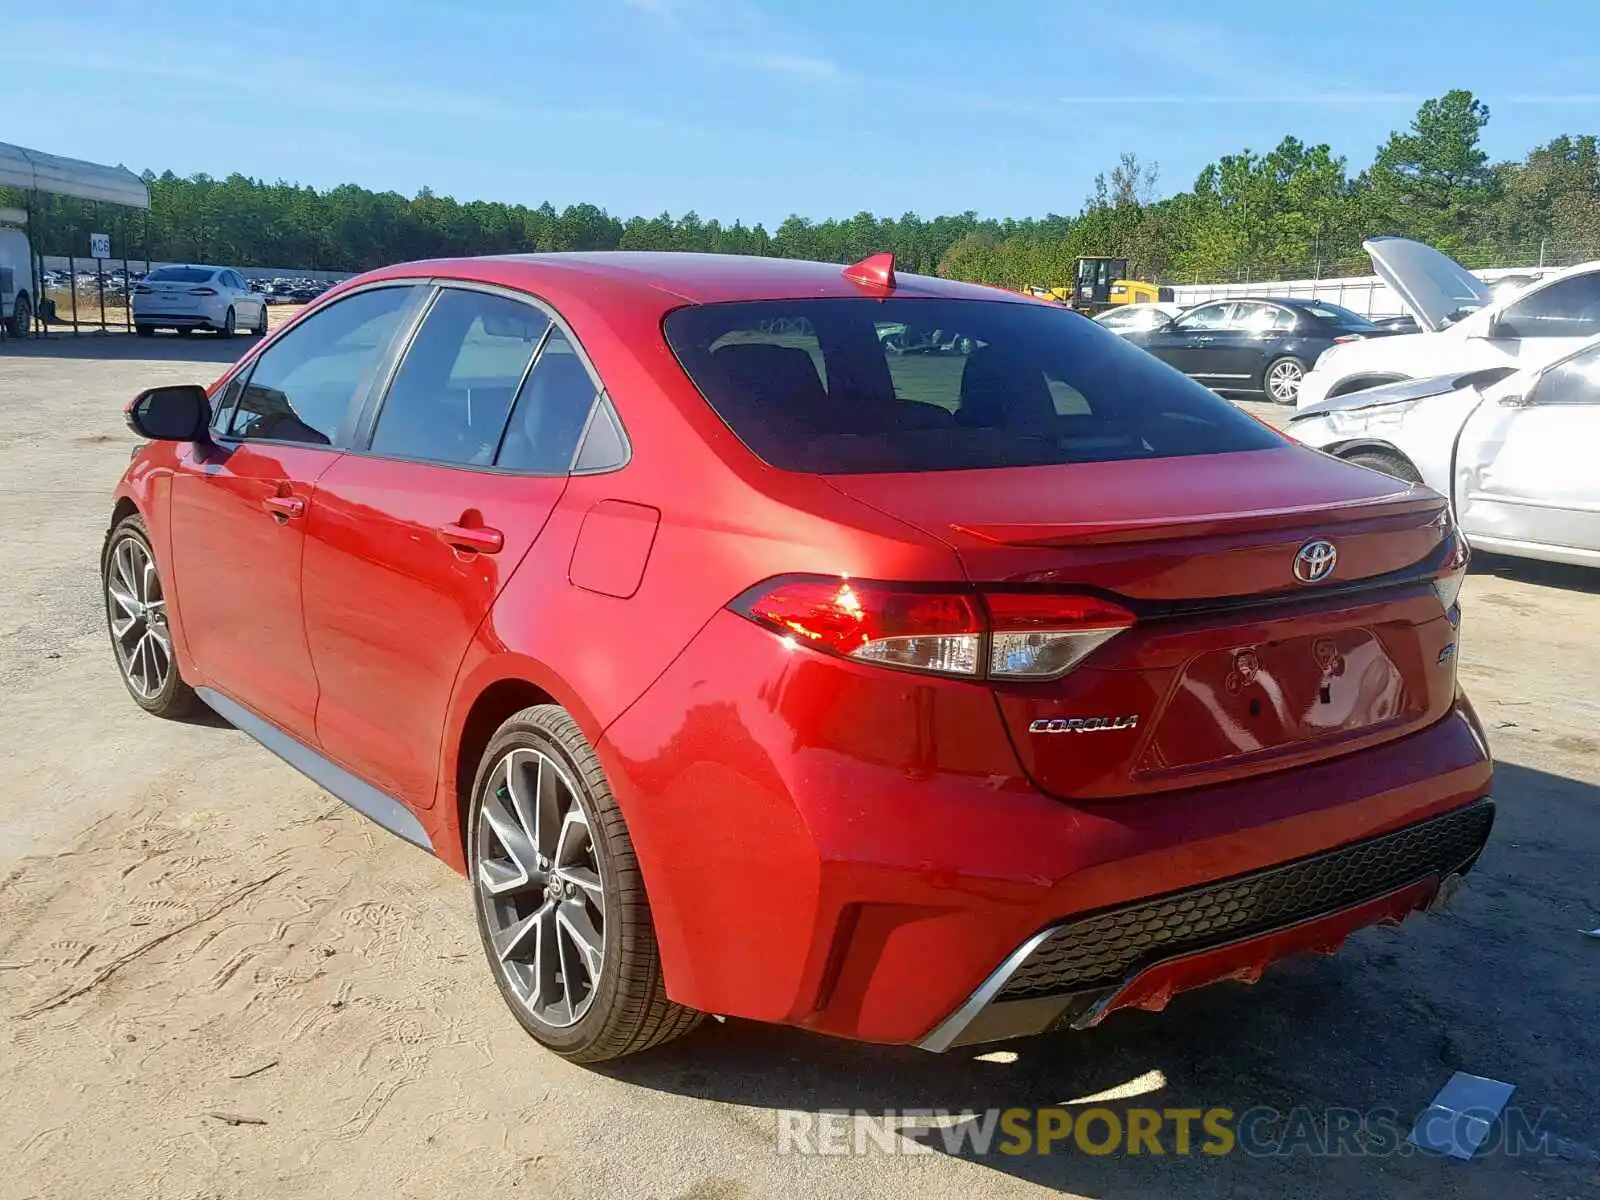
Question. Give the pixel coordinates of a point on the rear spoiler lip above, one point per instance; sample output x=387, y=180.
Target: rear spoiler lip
x=1111, y=532
x=1424, y=570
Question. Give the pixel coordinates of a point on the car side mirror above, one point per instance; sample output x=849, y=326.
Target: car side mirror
x=178, y=412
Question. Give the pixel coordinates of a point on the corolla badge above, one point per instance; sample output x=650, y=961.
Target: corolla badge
x=1082, y=724
x=1315, y=561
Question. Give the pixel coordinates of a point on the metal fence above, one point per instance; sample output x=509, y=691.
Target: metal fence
x=1365, y=294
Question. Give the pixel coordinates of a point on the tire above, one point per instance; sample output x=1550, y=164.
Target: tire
x=143, y=648
x=260, y=329
x=1281, y=379
x=20, y=323
x=537, y=766
x=145, y=330
x=1388, y=461
x=228, y=327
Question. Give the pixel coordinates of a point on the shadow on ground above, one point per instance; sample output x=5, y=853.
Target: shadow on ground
x=113, y=347
x=1537, y=572
x=1504, y=985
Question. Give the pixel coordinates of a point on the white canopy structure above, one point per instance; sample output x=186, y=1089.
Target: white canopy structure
x=33, y=170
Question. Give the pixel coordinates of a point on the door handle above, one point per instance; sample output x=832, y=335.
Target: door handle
x=478, y=538
x=285, y=507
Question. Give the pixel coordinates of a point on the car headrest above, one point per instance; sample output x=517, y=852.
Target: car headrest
x=1000, y=388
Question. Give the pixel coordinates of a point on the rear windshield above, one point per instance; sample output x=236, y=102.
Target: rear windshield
x=1341, y=317
x=179, y=275
x=859, y=385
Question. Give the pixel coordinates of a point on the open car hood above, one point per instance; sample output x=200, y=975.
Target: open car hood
x=1434, y=287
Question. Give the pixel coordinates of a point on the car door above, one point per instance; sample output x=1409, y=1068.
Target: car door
x=1547, y=321
x=1185, y=343
x=245, y=306
x=239, y=508
x=1525, y=463
x=414, y=535
x=1238, y=353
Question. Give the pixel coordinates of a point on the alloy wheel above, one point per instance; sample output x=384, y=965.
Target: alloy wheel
x=539, y=887
x=1283, y=380
x=138, y=614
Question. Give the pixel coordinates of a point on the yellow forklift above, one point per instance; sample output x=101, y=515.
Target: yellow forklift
x=1103, y=283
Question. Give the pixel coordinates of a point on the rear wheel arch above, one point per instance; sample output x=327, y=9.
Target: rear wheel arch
x=491, y=708
x=124, y=507
x=1380, y=456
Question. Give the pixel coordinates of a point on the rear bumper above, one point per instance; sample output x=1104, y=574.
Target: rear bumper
x=1140, y=955
x=856, y=851
x=173, y=320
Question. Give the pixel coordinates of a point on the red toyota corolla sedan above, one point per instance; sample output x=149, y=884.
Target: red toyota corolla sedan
x=896, y=658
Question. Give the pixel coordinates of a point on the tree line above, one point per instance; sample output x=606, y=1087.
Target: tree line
x=1292, y=211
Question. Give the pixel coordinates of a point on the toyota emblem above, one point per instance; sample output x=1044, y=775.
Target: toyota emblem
x=1315, y=561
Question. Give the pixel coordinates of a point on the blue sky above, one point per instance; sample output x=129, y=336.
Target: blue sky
x=756, y=108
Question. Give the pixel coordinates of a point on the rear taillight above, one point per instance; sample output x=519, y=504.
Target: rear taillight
x=923, y=630
x=1452, y=573
x=947, y=631
x=141, y=290
x=1345, y=338
x=202, y=291
x=1043, y=636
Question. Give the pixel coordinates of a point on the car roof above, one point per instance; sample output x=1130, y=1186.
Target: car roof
x=697, y=278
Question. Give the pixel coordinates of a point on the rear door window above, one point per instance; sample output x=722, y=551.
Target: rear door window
x=846, y=385
x=449, y=399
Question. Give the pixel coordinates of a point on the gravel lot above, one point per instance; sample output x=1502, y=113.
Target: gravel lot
x=189, y=928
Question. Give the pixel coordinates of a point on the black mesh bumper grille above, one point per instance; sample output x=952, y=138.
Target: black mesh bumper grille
x=1106, y=948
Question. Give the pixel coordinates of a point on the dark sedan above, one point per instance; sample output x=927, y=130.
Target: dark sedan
x=1254, y=344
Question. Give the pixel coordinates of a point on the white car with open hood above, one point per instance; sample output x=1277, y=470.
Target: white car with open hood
x=1465, y=327
x=1516, y=450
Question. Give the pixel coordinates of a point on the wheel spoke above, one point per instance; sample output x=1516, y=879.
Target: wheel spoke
x=524, y=805
x=547, y=988
x=509, y=833
x=573, y=845
x=119, y=629
x=584, y=878
x=518, y=936
x=123, y=561
x=148, y=587
x=123, y=599
x=547, y=835
x=137, y=670
x=573, y=917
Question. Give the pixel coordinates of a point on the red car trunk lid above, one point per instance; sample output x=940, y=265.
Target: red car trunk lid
x=1236, y=665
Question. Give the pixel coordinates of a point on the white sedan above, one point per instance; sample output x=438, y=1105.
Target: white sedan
x=187, y=297
x=1138, y=318
x=1514, y=450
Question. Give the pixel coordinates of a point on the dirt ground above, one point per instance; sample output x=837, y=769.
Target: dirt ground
x=216, y=981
